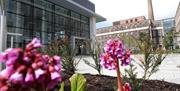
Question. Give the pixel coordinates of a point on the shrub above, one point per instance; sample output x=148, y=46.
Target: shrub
x=177, y=47
x=131, y=77
x=63, y=48
x=95, y=53
x=153, y=56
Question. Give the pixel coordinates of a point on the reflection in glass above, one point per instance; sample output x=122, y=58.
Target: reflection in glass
x=44, y=20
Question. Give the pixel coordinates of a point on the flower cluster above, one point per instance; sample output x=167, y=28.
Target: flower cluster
x=115, y=50
x=126, y=87
x=29, y=69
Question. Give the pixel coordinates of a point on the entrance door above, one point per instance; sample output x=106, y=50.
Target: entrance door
x=81, y=46
x=14, y=40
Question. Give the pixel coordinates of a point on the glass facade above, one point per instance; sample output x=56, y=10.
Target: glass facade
x=27, y=19
x=168, y=24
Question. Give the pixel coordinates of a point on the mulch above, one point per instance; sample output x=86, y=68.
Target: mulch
x=108, y=83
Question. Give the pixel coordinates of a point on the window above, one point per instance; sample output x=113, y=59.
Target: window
x=11, y=18
x=38, y=25
x=61, y=10
x=60, y=34
x=24, y=9
x=39, y=19
x=75, y=15
x=131, y=21
x=135, y=20
x=84, y=19
x=38, y=13
x=48, y=16
x=43, y=4
x=126, y=21
x=117, y=23
x=11, y=5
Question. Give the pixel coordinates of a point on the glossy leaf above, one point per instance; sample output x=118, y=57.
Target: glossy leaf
x=62, y=87
x=78, y=82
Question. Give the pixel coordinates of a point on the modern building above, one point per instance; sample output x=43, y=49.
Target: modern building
x=177, y=24
x=169, y=27
x=168, y=24
x=130, y=27
x=46, y=20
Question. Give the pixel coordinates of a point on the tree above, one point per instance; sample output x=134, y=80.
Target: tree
x=153, y=57
x=168, y=40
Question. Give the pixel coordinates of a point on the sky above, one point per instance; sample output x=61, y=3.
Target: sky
x=114, y=10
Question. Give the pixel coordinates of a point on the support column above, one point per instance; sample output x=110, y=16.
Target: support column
x=43, y=30
x=92, y=30
x=3, y=31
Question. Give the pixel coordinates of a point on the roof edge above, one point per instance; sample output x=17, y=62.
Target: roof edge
x=99, y=18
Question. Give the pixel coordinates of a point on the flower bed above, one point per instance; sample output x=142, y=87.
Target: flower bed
x=108, y=83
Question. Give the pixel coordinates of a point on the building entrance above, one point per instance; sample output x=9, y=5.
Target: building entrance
x=14, y=40
x=80, y=45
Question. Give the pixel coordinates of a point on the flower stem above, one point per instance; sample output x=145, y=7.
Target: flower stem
x=119, y=79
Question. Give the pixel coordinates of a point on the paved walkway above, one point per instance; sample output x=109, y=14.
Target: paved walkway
x=169, y=70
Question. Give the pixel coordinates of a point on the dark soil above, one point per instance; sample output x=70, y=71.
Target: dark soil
x=108, y=83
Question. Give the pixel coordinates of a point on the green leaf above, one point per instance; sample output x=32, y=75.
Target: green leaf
x=88, y=63
x=62, y=87
x=78, y=82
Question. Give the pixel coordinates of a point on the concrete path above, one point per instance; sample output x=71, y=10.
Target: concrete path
x=169, y=70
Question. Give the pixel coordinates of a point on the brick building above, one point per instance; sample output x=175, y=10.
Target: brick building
x=177, y=24
x=130, y=27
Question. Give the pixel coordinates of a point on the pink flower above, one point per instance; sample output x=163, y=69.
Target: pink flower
x=11, y=56
x=114, y=47
x=55, y=75
x=16, y=78
x=4, y=88
x=55, y=78
x=126, y=59
x=39, y=72
x=6, y=73
x=29, y=76
x=115, y=51
x=108, y=62
x=57, y=58
x=51, y=68
x=35, y=43
x=34, y=65
x=46, y=58
x=2, y=57
x=127, y=87
x=29, y=67
x=57, y=67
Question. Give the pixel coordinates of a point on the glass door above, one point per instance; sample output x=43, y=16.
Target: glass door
x=81, y=46
x=14, y=40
